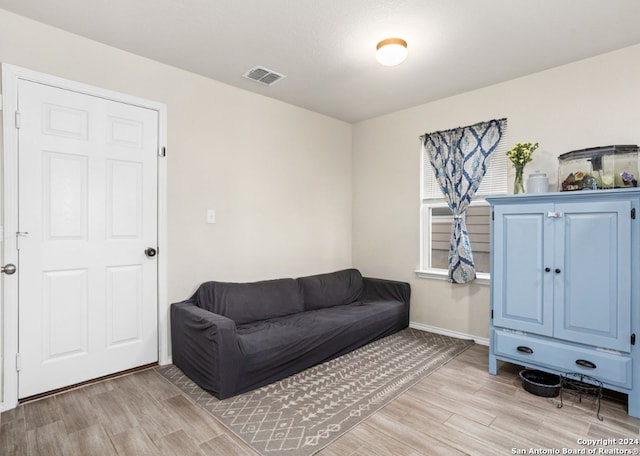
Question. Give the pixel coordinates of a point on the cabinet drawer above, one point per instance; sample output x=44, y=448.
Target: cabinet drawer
x=610, y=368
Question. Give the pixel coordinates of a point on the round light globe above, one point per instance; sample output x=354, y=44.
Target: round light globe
x=391, y=51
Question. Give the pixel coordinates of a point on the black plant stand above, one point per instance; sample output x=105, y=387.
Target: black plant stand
x=580, y=385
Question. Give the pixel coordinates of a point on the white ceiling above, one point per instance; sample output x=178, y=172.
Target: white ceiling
x=326, y=47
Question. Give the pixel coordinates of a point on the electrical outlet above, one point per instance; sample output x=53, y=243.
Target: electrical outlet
x=211, y=216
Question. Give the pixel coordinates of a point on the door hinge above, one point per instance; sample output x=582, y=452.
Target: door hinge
x=17, y=118
x=633, y=339
x=492, y=314
x=162, y=151
x=633, y=213
x=18, y=362
x=493, y=215
x=20, y=235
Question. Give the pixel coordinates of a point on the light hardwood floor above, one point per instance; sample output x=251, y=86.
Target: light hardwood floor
x=459, y=409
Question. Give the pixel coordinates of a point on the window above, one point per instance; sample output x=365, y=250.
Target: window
x=436, y=218
x=477, y=219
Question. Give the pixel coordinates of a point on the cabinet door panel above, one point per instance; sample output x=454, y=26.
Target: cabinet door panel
x=522, y=290
x=593, y=288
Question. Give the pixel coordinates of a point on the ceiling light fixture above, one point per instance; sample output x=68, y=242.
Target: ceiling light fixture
x=391, y=51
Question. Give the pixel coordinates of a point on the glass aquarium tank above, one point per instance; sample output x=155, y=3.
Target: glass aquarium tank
x=598, y=168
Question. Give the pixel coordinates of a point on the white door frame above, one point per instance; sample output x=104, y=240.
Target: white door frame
x=11, y=75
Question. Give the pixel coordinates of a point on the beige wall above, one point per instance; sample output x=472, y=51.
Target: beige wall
x=279, y=177
x=288, y=199
x=588, y=103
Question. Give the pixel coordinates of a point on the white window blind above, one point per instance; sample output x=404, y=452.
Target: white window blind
x=494, y=181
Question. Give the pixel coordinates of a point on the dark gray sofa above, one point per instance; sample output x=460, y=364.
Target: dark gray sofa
x=230, y=338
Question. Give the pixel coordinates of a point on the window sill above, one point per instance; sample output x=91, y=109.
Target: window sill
x=482, y=278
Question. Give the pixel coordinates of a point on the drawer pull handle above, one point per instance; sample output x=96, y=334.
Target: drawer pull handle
x=523, y=349
x=585, y=363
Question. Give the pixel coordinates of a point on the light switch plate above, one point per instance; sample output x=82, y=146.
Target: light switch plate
x=211, y=216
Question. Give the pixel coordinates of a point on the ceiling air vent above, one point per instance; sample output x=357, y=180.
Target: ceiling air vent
x=263, y=76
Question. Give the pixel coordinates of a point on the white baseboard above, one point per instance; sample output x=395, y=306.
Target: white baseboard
x=446, y=332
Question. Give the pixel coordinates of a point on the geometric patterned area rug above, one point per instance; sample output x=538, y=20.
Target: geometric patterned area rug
x=301, y=414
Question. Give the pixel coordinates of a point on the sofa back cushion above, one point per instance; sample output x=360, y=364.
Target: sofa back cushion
x=254, y=301
x=332, y=289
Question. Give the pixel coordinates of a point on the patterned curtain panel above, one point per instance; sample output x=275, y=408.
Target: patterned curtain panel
x=459, y=161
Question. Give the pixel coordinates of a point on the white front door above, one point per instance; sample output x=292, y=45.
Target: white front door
x=87, y=212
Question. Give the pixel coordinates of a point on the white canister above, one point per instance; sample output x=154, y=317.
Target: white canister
x=537, y=183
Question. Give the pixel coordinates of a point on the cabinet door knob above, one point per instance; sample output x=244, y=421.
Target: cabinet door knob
x=547, y=269
x=523, y=349
x=557, y=270
x=585, y=363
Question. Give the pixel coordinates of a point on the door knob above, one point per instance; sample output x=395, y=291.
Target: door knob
x=150, y=252
x=8, y=269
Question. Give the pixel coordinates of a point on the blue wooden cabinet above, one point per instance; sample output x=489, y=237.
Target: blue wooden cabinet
x=565, y=285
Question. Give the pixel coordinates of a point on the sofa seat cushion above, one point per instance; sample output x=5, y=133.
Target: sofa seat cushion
x=332, y=289
x=297, y=334
x=250, y=302
x=275, y=349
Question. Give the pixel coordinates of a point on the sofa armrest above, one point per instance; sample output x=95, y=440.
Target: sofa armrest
x=388, y=290
x=205, y=347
